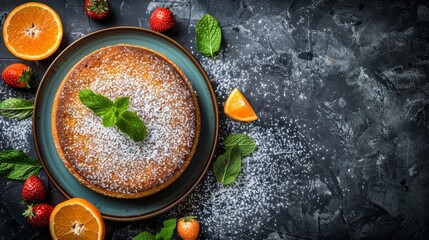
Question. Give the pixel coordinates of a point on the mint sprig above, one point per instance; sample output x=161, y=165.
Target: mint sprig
x=17, y=165
x=227, y=166
x=115, y=113
x=208, y=35
x=166, y=232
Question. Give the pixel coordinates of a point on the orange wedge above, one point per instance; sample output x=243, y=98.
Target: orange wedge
x=76, y=218
x=32, y=31
x=238, y=108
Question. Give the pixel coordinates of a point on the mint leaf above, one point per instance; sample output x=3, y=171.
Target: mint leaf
x=166, y=232
x=130, y=123
x=98, y=103
x=227, y=166
x=122, y=103
x=245, y=143
x=110, y=118
x=170, y=223
x=208, y=35
x=16, y=108
x=144, y=236
x=16, y=165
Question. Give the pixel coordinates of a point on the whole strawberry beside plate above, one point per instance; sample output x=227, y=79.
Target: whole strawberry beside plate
x=97, y=9
x=162, y=20
x=38, y=215
x=33, y=190
x=17, y=75
x=188, y=228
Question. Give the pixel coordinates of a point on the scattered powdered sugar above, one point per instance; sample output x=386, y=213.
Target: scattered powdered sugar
x=16, y=134
x=107, y=157
x=278, y=173
x=270, y=178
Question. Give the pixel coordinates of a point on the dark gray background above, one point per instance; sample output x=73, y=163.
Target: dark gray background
x=341, y=88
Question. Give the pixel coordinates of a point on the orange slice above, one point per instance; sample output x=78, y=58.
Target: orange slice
x=76, y=218
x=238, y=108
x=32, y=31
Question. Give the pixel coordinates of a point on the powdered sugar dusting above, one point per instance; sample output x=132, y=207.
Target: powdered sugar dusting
x=16, y=134
x=108, y=158
x=282, y=170
x=273, y=177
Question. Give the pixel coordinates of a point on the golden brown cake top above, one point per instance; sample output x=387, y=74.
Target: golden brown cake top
x=159, y=94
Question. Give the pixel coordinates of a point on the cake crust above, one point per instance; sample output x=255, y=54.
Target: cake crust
x=105, y=159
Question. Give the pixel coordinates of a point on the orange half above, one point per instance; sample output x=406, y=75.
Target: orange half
x=32, y=31
x=76, y=218
x=238, y=108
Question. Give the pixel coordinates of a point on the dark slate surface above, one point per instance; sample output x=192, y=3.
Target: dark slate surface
x=341, y=88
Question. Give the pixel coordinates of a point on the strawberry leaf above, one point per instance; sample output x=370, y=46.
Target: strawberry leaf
x=29, y=211
x=100, y=6
x=26, y=77
x=189, y=218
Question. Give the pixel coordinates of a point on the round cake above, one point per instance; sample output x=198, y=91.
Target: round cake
x=107, y=160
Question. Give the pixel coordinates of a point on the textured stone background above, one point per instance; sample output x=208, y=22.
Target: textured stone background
x=341, y=88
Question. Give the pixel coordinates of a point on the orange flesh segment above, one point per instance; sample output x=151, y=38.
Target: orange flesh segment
x=238, y=108
x=69, y=215
x=32, y=31
x=76, y=219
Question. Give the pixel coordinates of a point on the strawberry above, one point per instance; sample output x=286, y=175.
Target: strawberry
x=17, y=75
x=38, y=215
x=97, y=9
x=33, y=190
x=188, y=228
x=162, y=20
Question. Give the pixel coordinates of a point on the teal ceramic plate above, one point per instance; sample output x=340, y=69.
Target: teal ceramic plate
x=126, y=209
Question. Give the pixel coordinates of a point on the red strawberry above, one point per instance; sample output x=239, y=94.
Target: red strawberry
x=97, y=9
x=162, y=20
x=17, y=75
x=38, y=215
x=34, y=190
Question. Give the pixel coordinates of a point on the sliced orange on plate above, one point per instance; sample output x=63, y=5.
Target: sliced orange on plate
x=76, y=218
x=32, y=31
x=238, y=108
